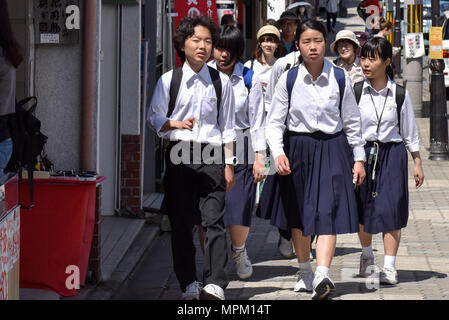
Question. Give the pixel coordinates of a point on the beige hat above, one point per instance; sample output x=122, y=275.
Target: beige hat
x=344, y=34
x=268, y=29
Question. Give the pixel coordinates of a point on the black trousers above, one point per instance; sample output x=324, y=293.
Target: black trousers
x=187, y=187
x=333, y=16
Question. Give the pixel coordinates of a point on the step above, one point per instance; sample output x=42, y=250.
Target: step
x=117, y=235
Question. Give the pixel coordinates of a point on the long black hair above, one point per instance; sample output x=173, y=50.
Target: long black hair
x=379, y=47
x=186, y=29
x=231, y=39
x=306, y=25
x=8, y=43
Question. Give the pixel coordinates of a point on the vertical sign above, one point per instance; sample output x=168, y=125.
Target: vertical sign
x=414, y=45
x=184, y=8
x=9, y=248
x=436, y=43
x=57, y=21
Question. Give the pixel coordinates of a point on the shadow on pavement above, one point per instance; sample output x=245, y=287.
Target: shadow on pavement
x=415, y=275
x=248, y=293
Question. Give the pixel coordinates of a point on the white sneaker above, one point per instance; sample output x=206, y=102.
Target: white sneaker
x=388, y=276
x=212, y=292
x=242, y=263
x=322, y=287
x=367, y=266
x=304, y=283
x=285, y=247
x=192, y=291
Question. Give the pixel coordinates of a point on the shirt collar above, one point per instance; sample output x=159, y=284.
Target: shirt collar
x=189, y=73
x=238, y=69
x=357, y=62
x=324, y=74
x=390, y=84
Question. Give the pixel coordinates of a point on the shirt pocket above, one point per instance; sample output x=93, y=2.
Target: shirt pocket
x=209, y=109
x=390, y=114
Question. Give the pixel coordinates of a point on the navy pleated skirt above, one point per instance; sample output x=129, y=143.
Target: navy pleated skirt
x=240, y=200
x=389, y=209
x=318, y=196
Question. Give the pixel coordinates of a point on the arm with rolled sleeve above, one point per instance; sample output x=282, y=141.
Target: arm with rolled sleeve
x=256, y=116
x=352, y=123
x=275, y=122
x=409, y=129
x=226, y=115
x=157, y=113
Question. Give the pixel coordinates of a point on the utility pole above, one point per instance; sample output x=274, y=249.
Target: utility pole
x=390, y=17
x=438, y=108
x=412, y=74
x=397, y=39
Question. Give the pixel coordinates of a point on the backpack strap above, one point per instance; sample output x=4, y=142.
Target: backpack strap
x=400, y=97
x=292, y=74
x=248, y=78
x=252, y=64
x=341, y=80
x=287, y=67
x=358, y=86
x=215, y=76
x=175, y=84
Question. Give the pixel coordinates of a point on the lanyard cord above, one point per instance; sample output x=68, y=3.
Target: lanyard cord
x=383, y=109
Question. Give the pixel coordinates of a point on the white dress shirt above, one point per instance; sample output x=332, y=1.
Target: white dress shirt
x=314, y=107
x=388, y=128
x=354, y=70
x=196, y=98
x=276, y=72
x=249, y=108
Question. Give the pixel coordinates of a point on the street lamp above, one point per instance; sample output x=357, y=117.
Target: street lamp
x=438, y=108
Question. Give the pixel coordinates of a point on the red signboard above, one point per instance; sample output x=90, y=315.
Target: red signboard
x=185, y=8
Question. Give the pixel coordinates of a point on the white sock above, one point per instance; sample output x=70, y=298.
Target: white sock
x=234, y=248
x=389, y=262
x=323, y=270
x=367, y=252
x=305, y=266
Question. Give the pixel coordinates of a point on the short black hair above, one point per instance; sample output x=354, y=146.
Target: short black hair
x=226, y=19
x=379, y=47
x=310, y=24
x=186, y=29
x=231, y=39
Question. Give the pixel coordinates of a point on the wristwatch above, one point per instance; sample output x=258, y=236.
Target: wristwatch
x=232, y=161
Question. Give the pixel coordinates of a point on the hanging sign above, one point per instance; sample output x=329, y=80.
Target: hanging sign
x=414, y=45
x=436, y=43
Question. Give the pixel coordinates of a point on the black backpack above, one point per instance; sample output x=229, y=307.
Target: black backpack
x=28, y=141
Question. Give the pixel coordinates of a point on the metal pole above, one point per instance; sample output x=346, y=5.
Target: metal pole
x=438, y=108
x=88, y=86
x=397, y=39
x=412, y=74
